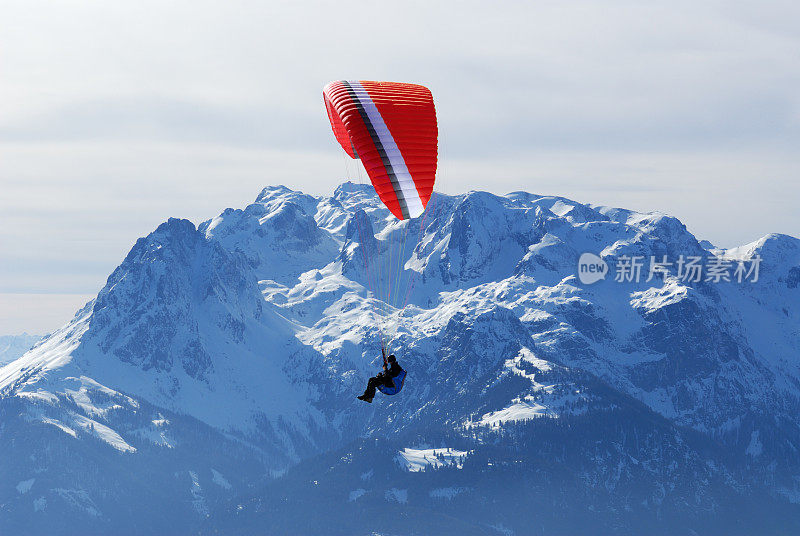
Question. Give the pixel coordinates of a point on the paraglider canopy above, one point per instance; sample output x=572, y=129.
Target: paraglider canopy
x=392, y=128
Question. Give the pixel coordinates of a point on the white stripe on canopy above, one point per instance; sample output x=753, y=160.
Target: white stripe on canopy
x=404, y=180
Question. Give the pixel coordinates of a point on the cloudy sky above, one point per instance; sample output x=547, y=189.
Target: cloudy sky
x=117, y=115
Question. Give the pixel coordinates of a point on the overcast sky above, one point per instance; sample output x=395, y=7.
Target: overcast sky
x=115, y=116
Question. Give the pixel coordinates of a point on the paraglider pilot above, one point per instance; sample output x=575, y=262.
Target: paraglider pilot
x=383, y=379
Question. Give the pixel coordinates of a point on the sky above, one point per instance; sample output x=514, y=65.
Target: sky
x=115, y=116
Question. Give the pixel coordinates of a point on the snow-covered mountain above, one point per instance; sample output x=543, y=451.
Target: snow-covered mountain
x=13, y=346
x=211, y=383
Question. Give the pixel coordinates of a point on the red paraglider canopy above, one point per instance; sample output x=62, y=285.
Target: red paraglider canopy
x=392, y=128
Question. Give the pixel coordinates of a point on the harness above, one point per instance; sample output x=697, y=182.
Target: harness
x=397, y=381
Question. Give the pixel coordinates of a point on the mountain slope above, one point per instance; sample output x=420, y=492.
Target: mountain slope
x=13, y=346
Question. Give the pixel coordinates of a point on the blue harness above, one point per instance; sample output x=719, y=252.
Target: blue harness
x=397, y=387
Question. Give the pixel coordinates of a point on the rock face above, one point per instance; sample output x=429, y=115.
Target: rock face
x=211, y=384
